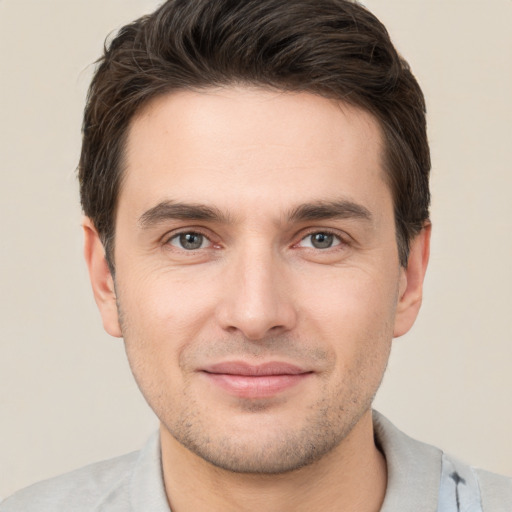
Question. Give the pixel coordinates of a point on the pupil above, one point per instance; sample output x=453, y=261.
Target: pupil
x=191, y=240
x=322, y=240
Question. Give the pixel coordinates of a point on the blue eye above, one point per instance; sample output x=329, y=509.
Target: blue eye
x=189, y=241
x=320, y=240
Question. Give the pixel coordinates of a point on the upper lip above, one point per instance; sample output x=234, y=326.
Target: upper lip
x=254, y=370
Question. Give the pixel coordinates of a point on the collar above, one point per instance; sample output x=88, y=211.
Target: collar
x=414, y=469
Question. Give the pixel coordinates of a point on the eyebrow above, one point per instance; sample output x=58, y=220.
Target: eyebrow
x=167, y=210
x=323, y=210
x=317, y=210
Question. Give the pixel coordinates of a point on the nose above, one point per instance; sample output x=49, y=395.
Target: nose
x=257, y=298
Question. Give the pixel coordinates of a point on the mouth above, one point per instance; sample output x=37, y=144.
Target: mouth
x=255, y=381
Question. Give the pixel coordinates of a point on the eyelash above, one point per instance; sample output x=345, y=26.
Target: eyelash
x=341, y=240
x=174, y=236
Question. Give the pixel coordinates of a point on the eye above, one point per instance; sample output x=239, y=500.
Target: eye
x=320, y=240
x=189, y=241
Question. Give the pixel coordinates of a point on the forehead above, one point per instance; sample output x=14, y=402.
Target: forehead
x=245, y=144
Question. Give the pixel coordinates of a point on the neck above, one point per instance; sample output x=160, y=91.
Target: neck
x=352, y=477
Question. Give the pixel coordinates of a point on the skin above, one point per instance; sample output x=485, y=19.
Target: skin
x=257, y=178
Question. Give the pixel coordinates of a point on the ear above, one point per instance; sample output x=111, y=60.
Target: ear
x=101, y=279
x=411, y=281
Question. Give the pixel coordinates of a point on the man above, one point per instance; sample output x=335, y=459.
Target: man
x=254, y=178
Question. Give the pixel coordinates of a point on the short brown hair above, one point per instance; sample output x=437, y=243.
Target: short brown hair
x=334, y=48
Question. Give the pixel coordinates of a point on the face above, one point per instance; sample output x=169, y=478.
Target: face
x=257, y=281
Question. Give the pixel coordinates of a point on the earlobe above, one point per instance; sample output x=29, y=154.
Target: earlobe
x=101, y=278
x=411, y=282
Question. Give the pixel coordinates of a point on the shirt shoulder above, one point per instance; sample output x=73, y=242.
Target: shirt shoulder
x=81, y=490
x=495, y=490
x=423, y=478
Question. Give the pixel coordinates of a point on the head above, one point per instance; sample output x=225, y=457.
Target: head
x=256, y=174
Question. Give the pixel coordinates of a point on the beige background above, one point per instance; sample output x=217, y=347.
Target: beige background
x=66, y=394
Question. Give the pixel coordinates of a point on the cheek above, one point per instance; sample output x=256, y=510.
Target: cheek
x=152, y=323
x=354, y=313
x=161, y=315
x=349, y=298
x=166, y=302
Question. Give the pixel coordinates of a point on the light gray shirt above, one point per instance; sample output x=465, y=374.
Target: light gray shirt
x=421, y=478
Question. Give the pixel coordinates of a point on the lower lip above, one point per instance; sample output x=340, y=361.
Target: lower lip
x=261, y=386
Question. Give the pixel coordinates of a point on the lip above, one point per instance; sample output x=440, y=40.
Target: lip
x=245, y=380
